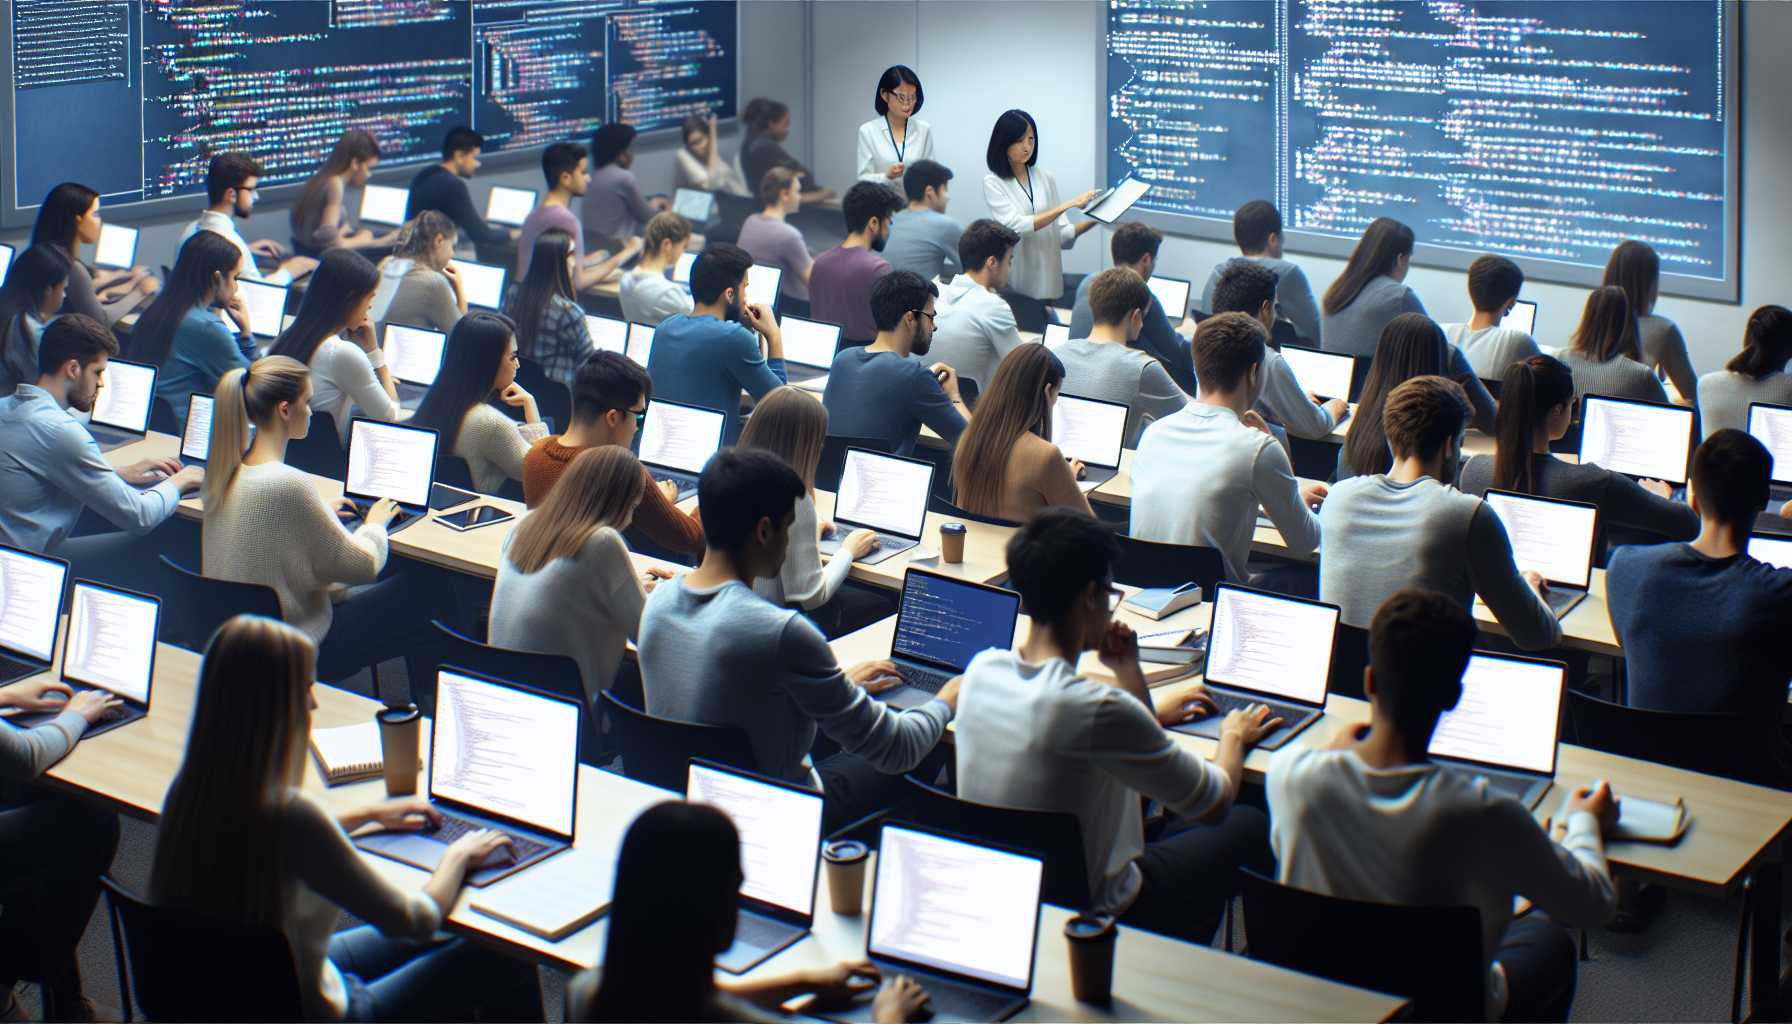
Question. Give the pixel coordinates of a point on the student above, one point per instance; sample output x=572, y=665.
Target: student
x=418, y=286
x=1602, y=351
x=840, y=280
x=1202, y=473
x=35, y=285
x=1409, y=527
x=442, y=187
x=1536, y=407
x=975, y=330
x=478, y=364
x=700, y=163
x=69, y=219
x=1135, y=246
x=333, y=336
x=678, y=879
x=1005, y=465
x=609, y=399
x=876, y=391
x=184, y=333
x=1493, y=285
x=1411, y=345
x=1634, y=267
x=714, y=652
x=923, y=240
x=895, y=139
x=319, y=217
x=564, y=165
x=1372, y=818
x=1257, y=228
x=771, y=241
x=232, y=180
x=647, y=292
x=768, y=126
x=550, y=324
x=287, y=864
x=1249, y=287
x=1371, y=291
x=1025, y=200
x=1035, y=735
x=710, y=355
x=1755, y=374
x=613, y=209
x=1105, y=365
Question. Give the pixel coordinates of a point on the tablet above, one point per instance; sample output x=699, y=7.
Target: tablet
x=1111, y=205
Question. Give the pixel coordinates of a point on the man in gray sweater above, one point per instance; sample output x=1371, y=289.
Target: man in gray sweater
x=713, y=651
x=1257, y=228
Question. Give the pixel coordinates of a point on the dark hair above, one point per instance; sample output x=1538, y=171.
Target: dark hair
x=459, y=140
x=1117, y=293
x=1014, y=402
x=984, y=239
x=73, y=336
x=228, y=171
x=66, y=204
x=693, y=123
x=1731, y=476
x=605, y=381
x=1253, y=223
x=1054, y=558
x=32, y=274
x=1607, y=327
x=1634, y=267
x=1531, y=389
x=560, y=158
x=469, y=364
x=354, y=145
x=343, y=278
x=532, y=298
x=776, y=182
x=896, y=295
x=1423, y=413
x=1382, y=245
x=1411, y=345
x=760, y=113
x=1226, y=346
x=1419, y=645
x=866, y=200
x=922, y=175
x=204, y=254
x=1010, y=128
x=1244, y=286
x=1766, y=343
x=1493, y=281
x=741, y=486
x=610, y=141
x=719, y=267
x=1133, y=242
x=894, y=76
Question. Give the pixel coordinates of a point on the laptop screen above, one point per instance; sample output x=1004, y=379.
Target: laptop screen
x=505, y=751
x=681, y=271
x=780, y=833
x=1326, y=374
x=6, y=252
x=117, y=247
x=762, y=285
x=196, y=439
x=1089, y=429
x=1522, y=318
x=111, y=640
x=386, y=460
x=1172, y=294
x=509, y=206
x=414, y=354
x=608, y=334
x=1552, y=538
x=693, y=205
x=30, y=602
x=809, y=342
x=126, y=391
x=1642, y=439
x=1271, y=644
x=640, y=344
x=1775, y=551
x=266, y=302
x=383, y=204
x=956, y=906
x=948, y=622
x=482, y=283
x=1508, y=715
x=884, y=492
x=680, y=437
x=1055, y=335
x=1772, y=426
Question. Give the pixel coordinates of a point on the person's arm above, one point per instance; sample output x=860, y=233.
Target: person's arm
x=590, y=275
x=950, y=231
x=1624, y=502
x=891, y=741
x=868, y=170
x=1057, y=484
x=349, y=365
x=638, y=206
x=27, y=753
x=1000, y=328
x=1158, y=394
x=217, y=350
x=321, y=854
x=78, y=469
x=617, y=581
x=941, y=410
x=493, y=438
x=446, y=301
x=80, y=297
x=457, y=203
x=1272, y=480
x=1409, y=301
x=661, y=521
x=1283, y=396
x=1128, y=743
x=756, y=372
x=1678, y=365
x=1022, y=219
x=1514, y=602
x=1570, y=880
x=1296, y=304
x=1486, y=409
x=329, y=550
x=1161, y=340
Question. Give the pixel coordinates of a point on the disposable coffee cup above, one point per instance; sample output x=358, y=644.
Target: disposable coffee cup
x=1091, y=942
x=845, y=859
x=399, y=729
x=952, y=542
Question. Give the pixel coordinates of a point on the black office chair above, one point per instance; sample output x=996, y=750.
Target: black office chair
x=936, y=503
x=658, y=751
x=833, y=457
x=553, y=673
x=552, y=398
x=1055, y=834
x=320, y=451
x=1313, y=459
x=1350, y=655
x=162, y=419
x=453, y=470
x=1146, y=563
x=187, y=966
x=1731, y=745
x=1430, y=956
x=194, y=606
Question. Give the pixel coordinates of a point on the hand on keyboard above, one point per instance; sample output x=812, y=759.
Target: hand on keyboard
x=860, y=543
x=95, y=706
x=480, y=848
x=1193, y=705
x=875, y=676
x=1251, y=724
x=36, y=695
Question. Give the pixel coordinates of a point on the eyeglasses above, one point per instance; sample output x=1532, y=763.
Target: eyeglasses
x=640, y=416
x=907, y=99
x=932, y=318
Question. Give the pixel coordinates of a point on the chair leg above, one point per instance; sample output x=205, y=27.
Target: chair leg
x=118, y=956
x=1742, y=933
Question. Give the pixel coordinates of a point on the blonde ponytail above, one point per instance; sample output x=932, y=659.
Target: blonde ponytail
x=244, y=397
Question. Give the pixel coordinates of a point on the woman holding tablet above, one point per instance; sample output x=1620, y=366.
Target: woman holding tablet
x=33, y=292
x=896, y=138
x=185, y=333
x=334, y=337
x=1006, y=466
x=1024, y=199
x=479, y=364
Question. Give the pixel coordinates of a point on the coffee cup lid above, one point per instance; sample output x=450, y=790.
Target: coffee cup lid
x=845, y=850
x=1087, y=927
x=951, y=527
x=397, y=713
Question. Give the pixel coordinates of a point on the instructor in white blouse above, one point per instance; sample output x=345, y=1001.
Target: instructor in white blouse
x=896, y=138
x=1024, y=199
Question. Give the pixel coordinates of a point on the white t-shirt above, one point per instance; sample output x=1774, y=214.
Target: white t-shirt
x=975, y=330
x=648, y=297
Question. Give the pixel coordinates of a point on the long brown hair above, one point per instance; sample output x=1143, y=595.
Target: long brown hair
x=792, y=426
x=354, y=145
x=1532, y=389
x=1411, y=345
x=1636, y=268
x=1607, y=327
x=1014, y=404
x=245, y=397
x=600, y=487
x=1384, y=241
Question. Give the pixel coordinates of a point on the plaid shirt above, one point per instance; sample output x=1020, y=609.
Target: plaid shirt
x=561, y=340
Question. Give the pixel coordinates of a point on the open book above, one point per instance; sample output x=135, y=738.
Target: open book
x=554, y=898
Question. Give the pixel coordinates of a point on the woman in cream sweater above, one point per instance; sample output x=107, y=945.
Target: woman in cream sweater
x=1006, y=467
x=480, y=362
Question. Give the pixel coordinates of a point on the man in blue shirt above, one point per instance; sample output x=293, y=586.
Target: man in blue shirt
x=1135, y=245
x=707, y=357
x=922, y=238
x=879, y=392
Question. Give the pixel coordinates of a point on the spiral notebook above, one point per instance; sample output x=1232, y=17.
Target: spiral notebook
x=349, y=753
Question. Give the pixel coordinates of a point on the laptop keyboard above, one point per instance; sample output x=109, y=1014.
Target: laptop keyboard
x=452, y=828
x=924, y=679
x=19, y=668
x=759, y=932
x=112, y=715
x=1229, y=702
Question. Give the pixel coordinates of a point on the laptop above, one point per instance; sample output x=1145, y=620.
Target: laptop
x=1326, y=374
x=676, y=440
x=501, y=756
x=390, y=460
x=483, y=283
x=681, y=271
x=120, y=413
x=111, y=647
x=1505, y=726
x=6, y=254
x=762, y=286
x=117, y=247
x=1552, y=538
x=1055, y=335
x=886, y=494
x=1648, y=440
x=31, y=589
x=809, y=347
x=1172, y=294
x=693, y=205
x=1772, y=426
x=941, y=624
x=780, y=856
x=960, y=917
x=509, y=206
x=1265, y=648
x=413, y=357
x=1770, y=548
x=267, y=306
x=384, y=204
x=640, y=344
x=608, y=334
x=1091, y=430
x=1523, y=317
x=196, y=438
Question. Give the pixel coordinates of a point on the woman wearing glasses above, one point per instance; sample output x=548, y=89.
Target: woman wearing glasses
x=893, y=140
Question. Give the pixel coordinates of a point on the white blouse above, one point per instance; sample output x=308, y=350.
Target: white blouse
x=878, y=150
x=1038, y=259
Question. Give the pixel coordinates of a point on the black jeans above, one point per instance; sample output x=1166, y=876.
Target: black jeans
x=1191, y=873
x=53, y=850
x=1540, y=963
x=853, y=788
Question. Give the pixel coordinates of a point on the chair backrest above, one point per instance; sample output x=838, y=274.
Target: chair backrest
x=194, y=606
x=161, y=416
x=552, y=399
x=554, y=673
x=658, y=751
x=833, y=457
x=1315, y=460
x=1054, y=834
x=1145, y=563
x=1350, y=655
x=1733, y=746
x=190, y=967
x=319, y=452
x=1430, y=956
x=936, y=503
